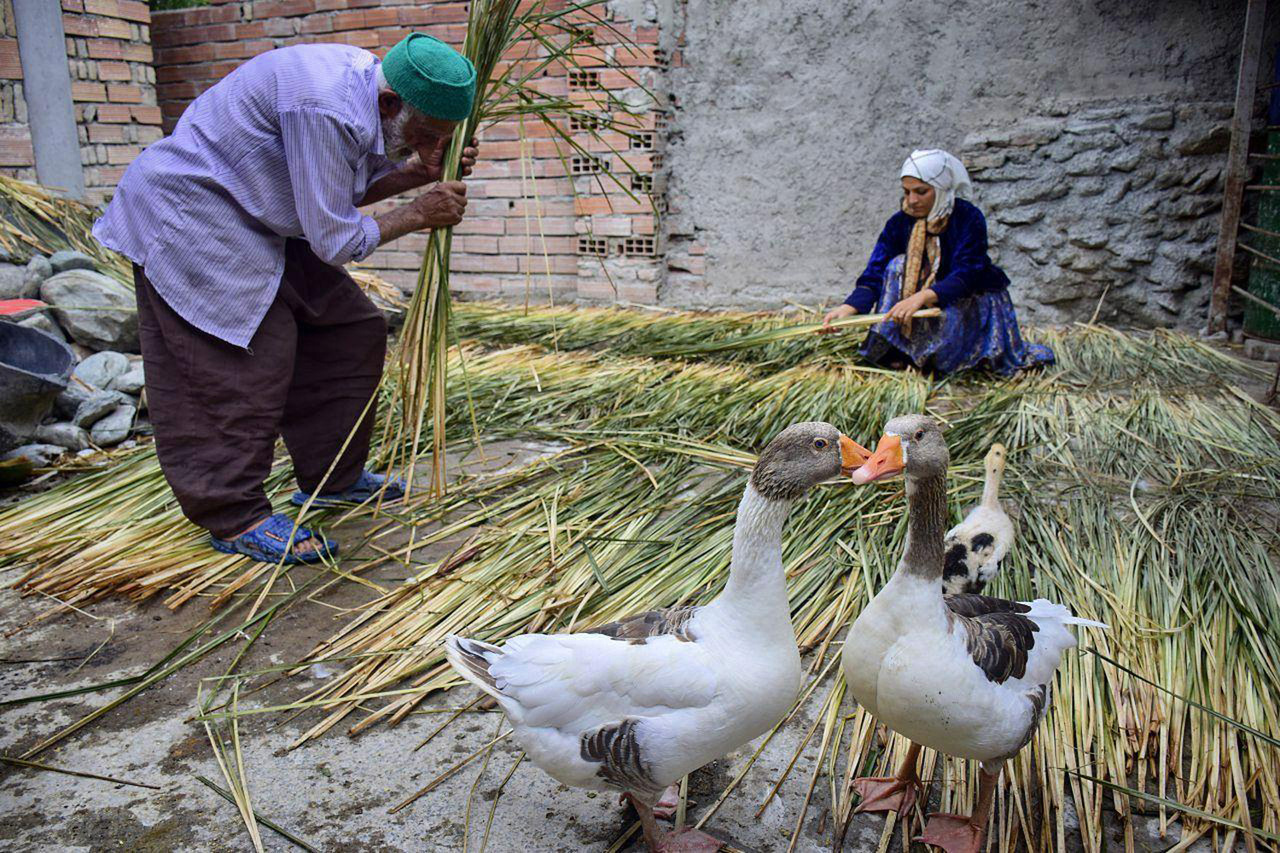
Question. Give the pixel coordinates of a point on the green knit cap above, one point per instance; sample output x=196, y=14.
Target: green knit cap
x=431, y=76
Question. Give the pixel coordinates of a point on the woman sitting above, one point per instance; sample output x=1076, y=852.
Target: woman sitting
x=934, y=252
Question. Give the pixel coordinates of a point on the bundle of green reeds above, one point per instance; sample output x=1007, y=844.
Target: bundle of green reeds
x=511, y=44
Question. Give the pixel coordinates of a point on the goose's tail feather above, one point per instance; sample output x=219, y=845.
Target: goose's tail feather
x=470, y=659
x=1045, y=609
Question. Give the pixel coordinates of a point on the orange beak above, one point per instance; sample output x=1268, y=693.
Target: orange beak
x=852, y=455
x=885, y=462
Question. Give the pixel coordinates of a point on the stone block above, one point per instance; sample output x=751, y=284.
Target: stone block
x=1086, y=163
x=1089, y=186
x=1125, y=161
x=99, y=369
x=985, y=161
x=85, y=295
x=65, y=435
x=69, y=259
x=115, y=427
x=1020, y=216
x=1085, y=127
x=1161, y=119
x=1202, y=140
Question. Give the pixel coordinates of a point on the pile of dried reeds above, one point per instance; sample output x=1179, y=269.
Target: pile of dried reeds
x=34, y=220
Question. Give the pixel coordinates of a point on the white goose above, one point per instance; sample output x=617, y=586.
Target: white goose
x=975, y=546
x=636, y=704
x=967, y=675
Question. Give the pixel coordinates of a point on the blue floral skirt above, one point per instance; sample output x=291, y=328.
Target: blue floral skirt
x=979, y=331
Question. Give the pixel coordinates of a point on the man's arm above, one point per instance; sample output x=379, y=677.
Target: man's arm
x=438, y=207
x=410, y=176
x=415, y=173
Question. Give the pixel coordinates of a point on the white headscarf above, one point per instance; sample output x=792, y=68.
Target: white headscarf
x=942, y=171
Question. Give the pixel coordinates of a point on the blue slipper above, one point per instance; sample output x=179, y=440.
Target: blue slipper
x=367, y=486
x=267, y=543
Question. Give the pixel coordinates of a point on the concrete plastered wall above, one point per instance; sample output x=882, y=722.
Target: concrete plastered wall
x=791, y=118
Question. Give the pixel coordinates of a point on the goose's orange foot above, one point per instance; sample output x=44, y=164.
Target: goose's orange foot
x=665, y=808
x=688, y=840
x=886, y=793
x=953, y=833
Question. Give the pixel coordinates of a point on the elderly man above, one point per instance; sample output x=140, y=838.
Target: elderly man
x=238, y=226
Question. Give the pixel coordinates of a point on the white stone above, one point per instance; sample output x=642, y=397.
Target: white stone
x=70, y=259
x=39, y=455
x=38, y=269
x=95, y=407
x=13, y=283
x=41, y=321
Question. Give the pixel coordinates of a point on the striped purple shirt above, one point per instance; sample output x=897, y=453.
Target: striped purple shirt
x=284, y=146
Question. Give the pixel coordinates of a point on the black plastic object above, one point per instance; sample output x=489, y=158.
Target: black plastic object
x=33, y=370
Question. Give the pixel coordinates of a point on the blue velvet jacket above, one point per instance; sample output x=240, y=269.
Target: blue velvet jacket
x=963, y=267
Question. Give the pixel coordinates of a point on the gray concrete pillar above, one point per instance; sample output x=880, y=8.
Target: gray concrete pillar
x=46, y=84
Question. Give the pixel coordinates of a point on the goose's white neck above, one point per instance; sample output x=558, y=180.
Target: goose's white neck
x=757, y=586
x=991, y=488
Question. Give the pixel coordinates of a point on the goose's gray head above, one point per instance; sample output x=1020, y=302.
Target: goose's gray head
x=912, y=444
x=802, y=456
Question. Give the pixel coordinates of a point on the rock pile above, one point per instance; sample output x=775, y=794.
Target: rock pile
x=94, y=314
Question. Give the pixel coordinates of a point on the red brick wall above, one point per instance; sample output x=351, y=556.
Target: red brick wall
x=530, y=228
x=16, y=157
x=112, y=85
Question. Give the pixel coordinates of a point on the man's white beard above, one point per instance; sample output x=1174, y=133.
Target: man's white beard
x=393, y=139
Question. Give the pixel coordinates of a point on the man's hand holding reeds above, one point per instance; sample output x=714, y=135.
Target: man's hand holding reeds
x=432, y=163
x=441, y=206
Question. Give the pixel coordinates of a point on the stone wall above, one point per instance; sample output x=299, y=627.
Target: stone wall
x=112, y=85
x=1108, y=208
x=540, y=224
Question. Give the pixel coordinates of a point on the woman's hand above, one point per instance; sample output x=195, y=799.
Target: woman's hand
x=837, y=313
x=904, y=308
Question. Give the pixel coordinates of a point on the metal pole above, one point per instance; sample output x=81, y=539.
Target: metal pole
x=1237, y=156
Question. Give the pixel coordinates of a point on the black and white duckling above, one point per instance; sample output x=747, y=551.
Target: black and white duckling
x=637, y=704
x=975, y=546
x=967, y=675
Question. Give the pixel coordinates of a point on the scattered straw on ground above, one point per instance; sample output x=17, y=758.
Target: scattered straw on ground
x=1145, y=482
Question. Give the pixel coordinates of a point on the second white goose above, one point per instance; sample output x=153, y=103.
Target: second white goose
x=968, y=675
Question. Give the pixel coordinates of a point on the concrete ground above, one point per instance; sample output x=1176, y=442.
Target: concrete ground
x=333, y=792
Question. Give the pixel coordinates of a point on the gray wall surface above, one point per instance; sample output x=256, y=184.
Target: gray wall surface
x=791, y=118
